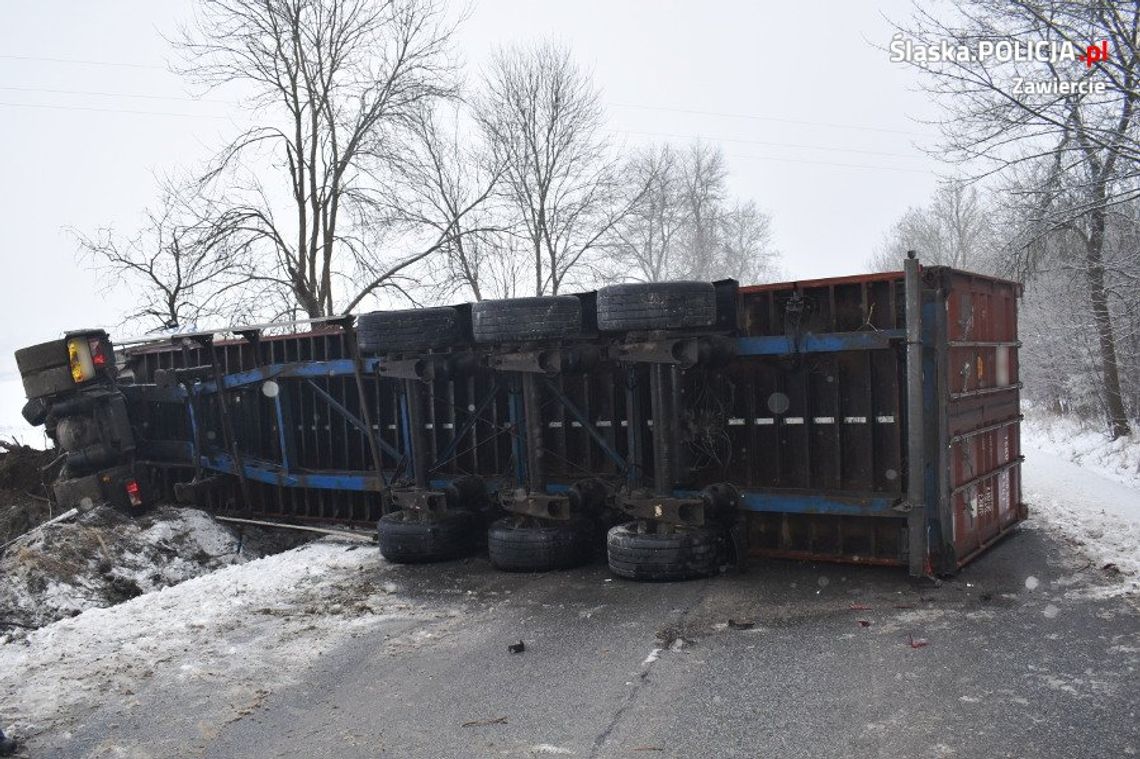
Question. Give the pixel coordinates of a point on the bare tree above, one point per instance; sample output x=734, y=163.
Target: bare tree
x=954, y=229
x=179, y=272
x=645, y=242
x=541, y=115
x=446, y=181
x=682, y=225
x=746, y=251
x=1069, y=124
x=334, y=87
x=703, y=176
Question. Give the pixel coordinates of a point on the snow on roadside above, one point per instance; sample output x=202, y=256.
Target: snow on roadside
x=105, y=557
x=1098, y=514
x=254, y=625
x=1079, y=443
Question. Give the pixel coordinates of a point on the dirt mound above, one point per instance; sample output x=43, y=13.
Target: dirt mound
x=20, y=467
x=105, y=557
x=23, y=497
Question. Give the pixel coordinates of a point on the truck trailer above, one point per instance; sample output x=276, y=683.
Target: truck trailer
x=679, y=426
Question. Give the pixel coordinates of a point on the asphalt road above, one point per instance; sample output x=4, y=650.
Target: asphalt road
x=1007, y=670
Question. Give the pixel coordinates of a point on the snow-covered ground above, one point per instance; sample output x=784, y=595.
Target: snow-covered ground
x=105, y=557
x=1086, y=488
x=251, y=628
x=1084, y=445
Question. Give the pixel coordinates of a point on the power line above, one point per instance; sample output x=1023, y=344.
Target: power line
x=777, y=119
x=764, y=143
x=113, y=110
x=82, y=62
x=117, y=95
x=830, y=163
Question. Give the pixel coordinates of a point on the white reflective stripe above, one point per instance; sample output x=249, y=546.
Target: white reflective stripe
x=624, y=423
x=448, y=426
x=824, y=420
x=575, y=424
x=736, y=422
x=885, y=419
x=855, y=419
x=429, y=426
x=647, y=421
x=763, y=420
x=604, y=423
x=555, y=424
x=793, y=420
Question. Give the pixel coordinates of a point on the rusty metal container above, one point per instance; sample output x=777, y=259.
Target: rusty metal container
x=882, y=458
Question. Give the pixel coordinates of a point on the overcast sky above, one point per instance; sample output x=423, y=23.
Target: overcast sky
x=817, y=125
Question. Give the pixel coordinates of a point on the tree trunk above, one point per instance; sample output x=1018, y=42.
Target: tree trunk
x=1098, y=302
x=537, y=267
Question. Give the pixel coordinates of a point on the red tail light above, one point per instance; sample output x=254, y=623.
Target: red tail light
x=134, y=493
x=98, y=355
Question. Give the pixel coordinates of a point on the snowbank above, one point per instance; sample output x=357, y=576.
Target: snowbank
x=1079, y=443
x=256, y=624
x=1086, y=488
x=106, y=557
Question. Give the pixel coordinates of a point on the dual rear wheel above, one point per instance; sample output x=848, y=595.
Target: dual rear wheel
x=524, y=544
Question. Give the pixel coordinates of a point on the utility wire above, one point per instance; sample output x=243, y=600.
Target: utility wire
x=113, y=110
x=777, y=119
x=829, y=163
x=762, y=142
x=117, y=95
x=82, y=62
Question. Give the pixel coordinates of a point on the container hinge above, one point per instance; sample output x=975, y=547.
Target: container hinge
x=903, y=507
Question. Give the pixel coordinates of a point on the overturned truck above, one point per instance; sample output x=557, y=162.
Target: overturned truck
x=679, y=426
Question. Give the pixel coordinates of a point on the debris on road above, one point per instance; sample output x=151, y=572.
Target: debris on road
x=517, y=648
x=672, y=639
x=485, y=722
x=863, y=622
x=367, y=537
x=859, y=607
x=8, y=746
x=917, y=642
x=734, y=625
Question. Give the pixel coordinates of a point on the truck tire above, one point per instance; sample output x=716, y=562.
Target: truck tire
x=413, y=329
x=521, y=545
x=48, y=382
x=680, y=555
x=36, y=358
x=656, y=305
x=526, y=319
x=406, y=539
x=35, y=412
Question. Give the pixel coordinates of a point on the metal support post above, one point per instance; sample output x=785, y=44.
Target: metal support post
x=916, y=431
